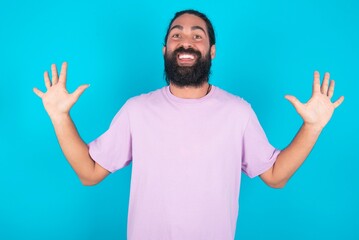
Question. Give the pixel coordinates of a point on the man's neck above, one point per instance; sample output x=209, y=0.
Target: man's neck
x=190, y=92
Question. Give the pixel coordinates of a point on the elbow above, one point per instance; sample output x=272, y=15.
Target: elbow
x=272, y=180
x=88, y=182
x=277, y=185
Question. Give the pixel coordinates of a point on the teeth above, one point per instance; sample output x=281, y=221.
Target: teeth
x=185, y=56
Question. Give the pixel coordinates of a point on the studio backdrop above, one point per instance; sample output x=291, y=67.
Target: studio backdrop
x=265, y=49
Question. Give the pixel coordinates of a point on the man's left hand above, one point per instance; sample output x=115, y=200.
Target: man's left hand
x=319, y=109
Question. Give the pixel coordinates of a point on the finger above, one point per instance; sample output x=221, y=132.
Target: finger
x=77, y=93
x=38, y=92
x=47, y=80
x=294, y=101
x=63, y=73
x=324, y=88
x=331, y=89
x=55, y=77
x=338, y=102
x=316, y=83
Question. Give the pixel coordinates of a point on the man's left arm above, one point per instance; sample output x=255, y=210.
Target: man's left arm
x=316, y=113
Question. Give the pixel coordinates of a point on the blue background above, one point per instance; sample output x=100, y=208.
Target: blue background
x=265, y=49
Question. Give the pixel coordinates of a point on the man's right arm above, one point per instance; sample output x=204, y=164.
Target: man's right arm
x=58, y=102
x=77, y=152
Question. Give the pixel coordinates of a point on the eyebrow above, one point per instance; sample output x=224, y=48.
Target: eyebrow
x=192, y=28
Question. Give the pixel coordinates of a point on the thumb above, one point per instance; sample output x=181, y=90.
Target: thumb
x=77, y=93
x=294, y=101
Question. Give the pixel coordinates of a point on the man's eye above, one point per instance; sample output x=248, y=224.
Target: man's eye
x=197, y=37
x=176, y=35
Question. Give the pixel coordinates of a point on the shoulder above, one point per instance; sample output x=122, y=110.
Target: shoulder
x=137, y=103
x=231, y=99
x=154, y=96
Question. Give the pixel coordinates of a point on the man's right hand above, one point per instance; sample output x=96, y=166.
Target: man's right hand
x=57, y=100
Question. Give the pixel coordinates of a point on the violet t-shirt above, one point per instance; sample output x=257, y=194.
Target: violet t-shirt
x=187, y=156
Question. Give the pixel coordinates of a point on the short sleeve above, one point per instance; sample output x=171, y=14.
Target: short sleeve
x=258, y=154
x=113, y=149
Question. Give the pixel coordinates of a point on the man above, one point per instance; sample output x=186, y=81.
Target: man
x=188, y=142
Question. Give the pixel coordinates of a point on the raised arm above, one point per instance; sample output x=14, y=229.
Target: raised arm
x=316, y=113
x=58, y=102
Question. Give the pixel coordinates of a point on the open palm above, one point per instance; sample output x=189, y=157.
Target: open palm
x=319, y=109
x=57, y=100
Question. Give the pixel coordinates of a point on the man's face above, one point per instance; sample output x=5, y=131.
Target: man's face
x=187, y=53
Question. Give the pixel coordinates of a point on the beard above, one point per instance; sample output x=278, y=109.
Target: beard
x=184, y=76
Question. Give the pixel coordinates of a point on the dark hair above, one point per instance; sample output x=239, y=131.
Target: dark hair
x=210, y=30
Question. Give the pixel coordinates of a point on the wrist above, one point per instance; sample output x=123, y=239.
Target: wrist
x=60, y=118
x=314, y=128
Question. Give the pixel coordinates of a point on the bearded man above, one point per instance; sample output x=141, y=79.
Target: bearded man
x=188, y=141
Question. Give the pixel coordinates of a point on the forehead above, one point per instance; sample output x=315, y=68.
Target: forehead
x=189, y=20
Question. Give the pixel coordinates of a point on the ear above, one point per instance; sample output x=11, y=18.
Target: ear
x=164, y=50
x=213, y=51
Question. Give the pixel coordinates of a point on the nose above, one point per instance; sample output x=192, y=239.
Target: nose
x=187, y=45
x=187, y=42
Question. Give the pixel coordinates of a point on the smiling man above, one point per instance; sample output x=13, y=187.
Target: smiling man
x=188, y=142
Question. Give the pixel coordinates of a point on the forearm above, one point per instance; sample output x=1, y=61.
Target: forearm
x=74, y=148
x=292, y=157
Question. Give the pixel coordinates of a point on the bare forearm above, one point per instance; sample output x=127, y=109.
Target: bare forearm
x=74, y=148
x=292, y=157
x=316, y=113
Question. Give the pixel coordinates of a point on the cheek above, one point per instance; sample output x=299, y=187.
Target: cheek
x=168, y=54
x=171, y=46
x=206, y=52
x=204, y=48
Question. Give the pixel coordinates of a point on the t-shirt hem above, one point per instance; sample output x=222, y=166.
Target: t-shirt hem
x=266, y=167
x=98, y=160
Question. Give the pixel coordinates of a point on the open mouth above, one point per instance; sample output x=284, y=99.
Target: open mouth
x=186, y=58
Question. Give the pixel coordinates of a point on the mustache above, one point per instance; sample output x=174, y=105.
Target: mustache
x=188, y=51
